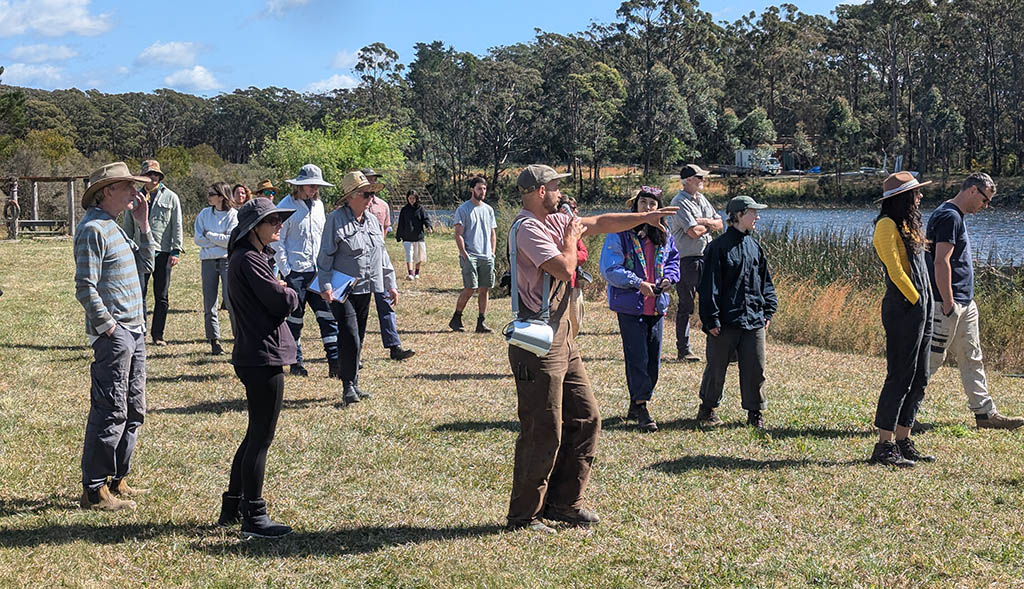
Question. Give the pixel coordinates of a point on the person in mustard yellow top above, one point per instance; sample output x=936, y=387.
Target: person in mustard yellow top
x=907, y=318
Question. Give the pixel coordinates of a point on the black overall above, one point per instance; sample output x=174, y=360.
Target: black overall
x=908, y=334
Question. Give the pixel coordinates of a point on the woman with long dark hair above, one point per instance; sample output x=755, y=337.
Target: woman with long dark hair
x=212, y=230
x=412, y=221
x=263, y=347
x=906, y=316
x=640, y=265
x=241, y=193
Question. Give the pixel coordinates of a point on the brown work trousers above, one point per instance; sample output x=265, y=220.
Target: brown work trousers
x=559, y=426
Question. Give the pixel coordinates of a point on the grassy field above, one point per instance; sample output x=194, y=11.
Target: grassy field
x=411, y=487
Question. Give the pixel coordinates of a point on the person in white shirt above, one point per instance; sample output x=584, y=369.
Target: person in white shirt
x=296, y=262
x=212, y=228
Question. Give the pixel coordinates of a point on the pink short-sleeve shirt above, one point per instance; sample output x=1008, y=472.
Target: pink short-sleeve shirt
x=537, y=241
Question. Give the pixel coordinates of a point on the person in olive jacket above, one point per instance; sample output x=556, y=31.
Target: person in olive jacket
x=737, y=301
x=263, y=347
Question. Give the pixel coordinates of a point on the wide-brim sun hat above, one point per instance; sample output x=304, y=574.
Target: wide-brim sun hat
x=251, y=213
x=107, y=175
x=310, y=174
x=898, y=183
x=356, y=180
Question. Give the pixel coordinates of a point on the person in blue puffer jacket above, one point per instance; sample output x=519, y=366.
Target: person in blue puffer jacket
x=640, y=266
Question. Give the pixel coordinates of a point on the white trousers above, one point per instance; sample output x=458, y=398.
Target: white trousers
x=958, y=334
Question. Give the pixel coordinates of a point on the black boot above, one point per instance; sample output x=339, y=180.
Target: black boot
x=350, y=394
x=456, y=323
x=215, y=349
x=230, y=510
x=481, y=327
x=257, y=524
x=333, y=370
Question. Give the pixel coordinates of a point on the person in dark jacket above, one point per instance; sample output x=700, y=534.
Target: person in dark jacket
x=639, y=266
x=263, y=347
x=737, y=301
x=412, y=221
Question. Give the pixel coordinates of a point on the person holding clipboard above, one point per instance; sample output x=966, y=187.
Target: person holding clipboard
x=353, y=245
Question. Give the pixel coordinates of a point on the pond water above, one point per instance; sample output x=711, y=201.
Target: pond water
x=995, y=233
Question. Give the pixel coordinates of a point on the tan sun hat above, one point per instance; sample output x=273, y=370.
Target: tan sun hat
x=151, y=166
x=107, y=175
x=898, y=183
x=356, y=180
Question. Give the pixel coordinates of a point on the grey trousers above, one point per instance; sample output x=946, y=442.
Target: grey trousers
x=214, y=270
x=749, y=347
x=117, y=408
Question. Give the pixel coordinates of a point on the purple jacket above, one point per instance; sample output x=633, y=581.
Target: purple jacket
x=624, y=284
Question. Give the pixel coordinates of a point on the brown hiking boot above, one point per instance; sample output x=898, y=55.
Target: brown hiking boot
x=120, y=487
x=104, y=501
x=708, y=417
x=997, y=421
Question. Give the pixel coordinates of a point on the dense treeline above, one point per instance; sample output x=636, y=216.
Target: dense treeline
x=937, y=82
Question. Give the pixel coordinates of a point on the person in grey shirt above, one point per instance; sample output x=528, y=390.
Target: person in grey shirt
x=476, y=239
x=353, y=244
x=692, y=228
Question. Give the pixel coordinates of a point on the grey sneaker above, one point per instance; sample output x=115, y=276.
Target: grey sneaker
x=995, y=420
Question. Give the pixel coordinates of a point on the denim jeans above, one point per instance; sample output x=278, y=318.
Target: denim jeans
x=161, y=277
x=388, y=321
x=212, y=272
x=641, y=346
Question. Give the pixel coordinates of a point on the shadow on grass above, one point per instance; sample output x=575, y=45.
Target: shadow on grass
x=180, y=342
x=360, y=540
x=95, y=533
x=477, y=426
x=43, y=348
x=231, y=405
x=703, y=461
x=428, y=332
x=23, y=506
x=186, y=378
x=620, y=423
x=471, y=376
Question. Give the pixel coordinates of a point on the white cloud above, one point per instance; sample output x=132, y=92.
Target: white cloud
x=333, y=83
x=21, y=74
x=279, y=7
x=173, y=54
x=197, y=78
x=51, y=18
x=345, y=59
x=42, y=52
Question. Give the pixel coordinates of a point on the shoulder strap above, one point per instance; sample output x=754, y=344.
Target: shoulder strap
x=545, y=307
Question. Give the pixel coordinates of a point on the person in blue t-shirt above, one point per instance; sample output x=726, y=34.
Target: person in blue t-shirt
x=955, y=321
x=476, y=238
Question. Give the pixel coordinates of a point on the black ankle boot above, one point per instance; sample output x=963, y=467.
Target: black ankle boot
x=257, y=524
x=456, y=323
x=333, y=370
x=215, y=348
x=350, y=394
x=230, y=510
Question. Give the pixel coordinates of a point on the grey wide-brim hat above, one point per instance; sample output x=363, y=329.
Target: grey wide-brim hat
x=251, y=213
x=309, y=174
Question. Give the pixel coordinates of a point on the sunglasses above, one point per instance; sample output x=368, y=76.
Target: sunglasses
x=268, y=192
x=987, y=198
x=369, y=194
x=273, y=220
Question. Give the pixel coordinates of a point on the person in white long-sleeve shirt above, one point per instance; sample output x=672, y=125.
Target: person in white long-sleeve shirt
x=212, y=228
x=296, y=261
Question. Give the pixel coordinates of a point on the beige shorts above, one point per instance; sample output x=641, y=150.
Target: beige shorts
x=415, y=252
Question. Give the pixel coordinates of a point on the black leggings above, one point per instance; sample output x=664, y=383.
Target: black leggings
x=264, y=390
x=351, y=316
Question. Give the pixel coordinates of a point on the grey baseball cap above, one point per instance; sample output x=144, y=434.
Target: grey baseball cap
x=741, y=203
x=693, y=170
x=535, y=175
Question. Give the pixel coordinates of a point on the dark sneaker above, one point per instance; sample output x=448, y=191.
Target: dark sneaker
x=687, y=356
x=159, y=341
x=909, y=451
x=350, y=394
x=482, y=327
x=362, y=394
x=534, y=526
x=298, y=370
x=997, y=421
x=574, y=517
x=708, y=417
x=755, y=419
x=456, y=323
x=643, y=419
x=400, y=353
x=215, y=348
x=888, y=454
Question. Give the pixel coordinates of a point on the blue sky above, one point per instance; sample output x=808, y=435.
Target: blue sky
x=209, y=47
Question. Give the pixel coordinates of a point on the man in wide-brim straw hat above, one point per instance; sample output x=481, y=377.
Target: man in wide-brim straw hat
x=353, y=244
x=296, y=261
x=108, y=265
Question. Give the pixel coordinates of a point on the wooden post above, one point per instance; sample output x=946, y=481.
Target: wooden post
x=35, y=201
x=71, y=207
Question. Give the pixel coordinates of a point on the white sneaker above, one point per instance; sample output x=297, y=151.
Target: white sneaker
x=416, y=276
x=410, y=277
